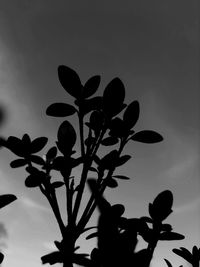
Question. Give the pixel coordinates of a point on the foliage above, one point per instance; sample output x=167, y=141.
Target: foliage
x=104, y=121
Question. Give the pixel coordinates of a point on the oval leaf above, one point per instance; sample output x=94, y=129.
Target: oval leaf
x=122, y=160
x=91, y=86
x=52, y=152
x=18, y=163
x=161, y=207
x=109, y=141
x=112, y=183
x=147, y=136
x=171, y=236
x=6, y=200
x=38, y=144
x=66, y=137
x=70, y=81
x=113, y=97
x=60, y=110
x=184, y=253
x=122, y=177
x=131, y=114
x=37, y=159
x=32, y=181
x=57, y=184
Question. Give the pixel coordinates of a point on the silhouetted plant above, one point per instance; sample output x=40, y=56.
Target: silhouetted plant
x=4, y=201
x=192, y=257
x=100, y=124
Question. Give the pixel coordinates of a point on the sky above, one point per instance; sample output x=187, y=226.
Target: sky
x=153, y=47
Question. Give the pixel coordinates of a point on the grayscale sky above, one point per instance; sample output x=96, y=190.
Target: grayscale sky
x=153, y=46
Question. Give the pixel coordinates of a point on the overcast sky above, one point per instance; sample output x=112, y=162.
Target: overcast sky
x=153, y=46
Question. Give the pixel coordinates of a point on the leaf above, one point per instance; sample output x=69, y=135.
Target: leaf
x=18, y=163
x=38, y=144
x=122, y=160
x=60, y=110
x=109, y=141
x=70, y=81
x=57, y=184
x=91, y=86
x=16, y=146
x=112, y=183
x=52, y=258
x=122, y=177
x=109, y=160
x=6, y=200
x=37, y=159
x=147, y=136
x=52, y=152
x=92, y=235
x=171, y=236
x=1, y=257
x=168, y=263
x=161, y=207
x=131, y=114
x=113, y=97
x=33, y=181
x=66, y=137
x=184, y=253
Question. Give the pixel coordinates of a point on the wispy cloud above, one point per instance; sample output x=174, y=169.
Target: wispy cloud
x=29, y=203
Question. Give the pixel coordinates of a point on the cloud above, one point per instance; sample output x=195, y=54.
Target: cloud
x=29, y=203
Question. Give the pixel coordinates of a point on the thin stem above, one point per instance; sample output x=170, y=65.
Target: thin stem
x=92, y=201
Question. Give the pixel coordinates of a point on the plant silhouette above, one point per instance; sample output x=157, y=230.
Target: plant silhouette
x=104, y=121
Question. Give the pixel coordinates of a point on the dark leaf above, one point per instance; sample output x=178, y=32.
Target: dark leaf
x=37, y=159
x=109, y=141
x=18, y=163
x=81, y=260
x=109, y=160
x=131, y=114
x=33, y=181
x=122, y=177
x=57, y=184
x=6, y=200
x=52, y=152
x=66, y=137
x=60, y=110
x=161, y=207
x=26, y=140
x=112, y=183
x=122, y=160
x=38, y=144
x=113, y=97
x=171, y=236
x=184, y=253
x=147, y=136
x=96, y=121
x=1, y=257
x=70, y=81
x=168, y=263
x=92, y=235
x=52, y=258
x=91, y=86
x=16, y=146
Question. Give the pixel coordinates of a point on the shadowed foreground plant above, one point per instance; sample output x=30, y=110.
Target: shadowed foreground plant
x=4, y=201
x=104, y=121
